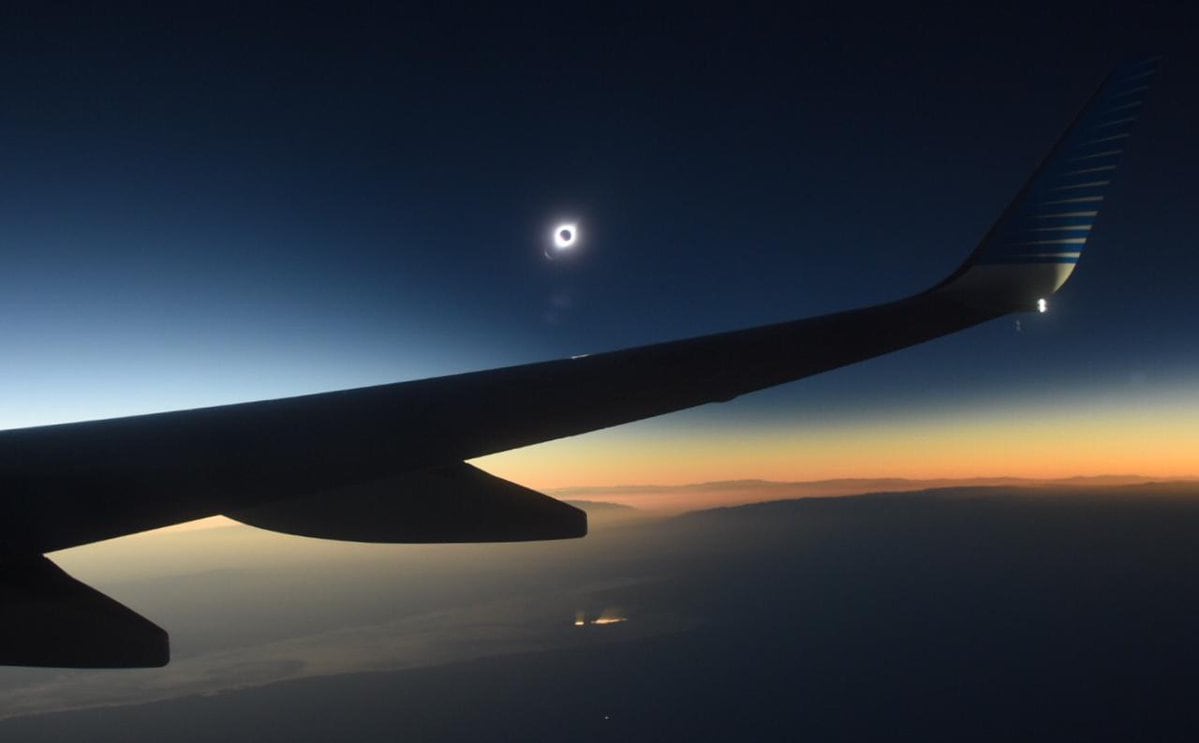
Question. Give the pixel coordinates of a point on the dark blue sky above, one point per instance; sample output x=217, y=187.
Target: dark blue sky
x=221, y=204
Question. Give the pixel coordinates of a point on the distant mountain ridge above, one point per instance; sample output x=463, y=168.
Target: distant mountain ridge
x=871, y=483
x=599, y=505
x=1170, y=488
x=706, y=495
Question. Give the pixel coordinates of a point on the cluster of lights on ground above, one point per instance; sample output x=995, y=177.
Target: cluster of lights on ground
x=606, y=617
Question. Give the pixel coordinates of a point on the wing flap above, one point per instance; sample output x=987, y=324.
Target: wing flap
x=448, y=504
x=49, y=619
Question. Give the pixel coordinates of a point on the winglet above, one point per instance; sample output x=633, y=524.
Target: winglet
x=1032, y=249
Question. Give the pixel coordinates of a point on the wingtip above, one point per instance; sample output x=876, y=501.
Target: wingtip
x=1033, y=247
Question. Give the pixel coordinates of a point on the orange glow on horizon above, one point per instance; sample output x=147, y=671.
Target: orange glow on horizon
x=1152, y=437
x=1136, y=438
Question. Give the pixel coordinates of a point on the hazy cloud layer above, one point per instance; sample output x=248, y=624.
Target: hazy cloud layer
x=981, y=613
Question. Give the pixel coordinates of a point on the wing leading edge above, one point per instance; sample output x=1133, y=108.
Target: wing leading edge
x=71, y=484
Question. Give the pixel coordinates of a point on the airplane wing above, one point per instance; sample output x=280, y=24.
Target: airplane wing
x=386, y=463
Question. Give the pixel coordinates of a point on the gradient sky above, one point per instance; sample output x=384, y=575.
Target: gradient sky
x=205, y=204
x=224, y=205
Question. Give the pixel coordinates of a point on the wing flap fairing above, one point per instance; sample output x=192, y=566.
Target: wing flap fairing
x=448, y=504
x=49, y=619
